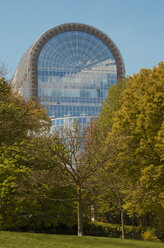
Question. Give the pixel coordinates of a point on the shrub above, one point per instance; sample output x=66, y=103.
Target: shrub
x=149, y=236
x=110, y=230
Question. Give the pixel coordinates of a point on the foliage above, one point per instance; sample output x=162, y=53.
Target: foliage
x=30, y=172
x=110, y=230
x=3, y=69
x=140, y=119
x=132, y=130
x=18, y=118
x=106, y=187
x=79, y=162
x=116, y=167
x=149, y=236
x=111, y=104
x=30, y=187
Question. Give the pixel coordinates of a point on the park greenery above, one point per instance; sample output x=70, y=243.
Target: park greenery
x=33, y=240
x=111, y=173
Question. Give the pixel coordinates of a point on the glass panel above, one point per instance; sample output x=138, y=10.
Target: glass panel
x=75, y=70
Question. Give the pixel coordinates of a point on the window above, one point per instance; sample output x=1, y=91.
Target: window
x=72, y=68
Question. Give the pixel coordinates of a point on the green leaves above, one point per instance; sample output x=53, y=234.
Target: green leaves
x=18, y=118
x=141, y=119
x=31, y=172
x=120, y=170
x=132, y=125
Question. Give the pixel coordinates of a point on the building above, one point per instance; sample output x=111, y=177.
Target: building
x=69, y=68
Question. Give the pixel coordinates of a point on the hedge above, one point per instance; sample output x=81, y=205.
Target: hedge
x=111, y=230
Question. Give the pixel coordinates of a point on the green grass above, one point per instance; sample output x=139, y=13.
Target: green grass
x=33, y=240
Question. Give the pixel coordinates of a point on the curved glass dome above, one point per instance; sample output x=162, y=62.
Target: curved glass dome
x=70, y=68
x=75, y=70
x=73, y=51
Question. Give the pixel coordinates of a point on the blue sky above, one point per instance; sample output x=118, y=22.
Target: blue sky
x=135, y=26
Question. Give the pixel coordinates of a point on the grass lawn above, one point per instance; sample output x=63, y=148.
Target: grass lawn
x=34, y=240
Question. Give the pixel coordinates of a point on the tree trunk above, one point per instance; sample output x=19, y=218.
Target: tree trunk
x=133, y=226
x=79, y=213
x=122, y=224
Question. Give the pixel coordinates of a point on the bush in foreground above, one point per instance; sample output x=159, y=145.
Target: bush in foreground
x=114, y=231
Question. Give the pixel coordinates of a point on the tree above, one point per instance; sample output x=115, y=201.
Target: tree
x=109, y=184
x=31, y=186
x=3, y=70
x=111, y=104
x=65, y=165
x=20, y=123
x=108, y=178
x=131, y=131
x=140, y=118
x=18, y=118
x=80, y=163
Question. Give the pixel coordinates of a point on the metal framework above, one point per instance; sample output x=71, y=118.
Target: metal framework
x=39, y=44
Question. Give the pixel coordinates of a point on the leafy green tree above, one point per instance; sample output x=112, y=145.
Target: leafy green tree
x=108, y=177
x=18, y=118
x=25, y=160
x=130, y=127
x=32, y=192
x=108, y=184
x=111, y=104
x=77, y=164
x=140, y=119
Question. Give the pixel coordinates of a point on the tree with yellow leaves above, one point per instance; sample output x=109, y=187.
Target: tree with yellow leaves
x=140, y=119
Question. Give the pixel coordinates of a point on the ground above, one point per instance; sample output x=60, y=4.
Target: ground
x=33, y=240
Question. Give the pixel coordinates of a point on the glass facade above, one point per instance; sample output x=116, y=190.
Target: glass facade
x=69, y=68
x=75, y=70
